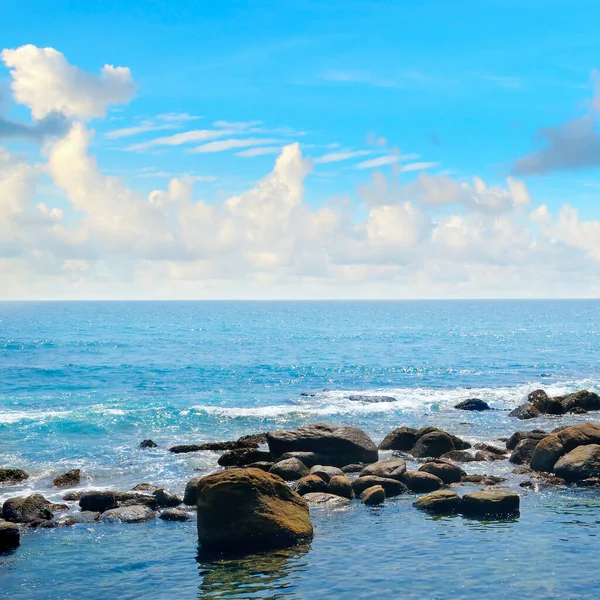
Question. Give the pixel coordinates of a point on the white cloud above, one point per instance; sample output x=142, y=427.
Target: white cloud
x=143, y=127
x=252, y=152
x=230, y=144
x=388, y=159
x=179, y=139
x=342, y=155
x=45, y=82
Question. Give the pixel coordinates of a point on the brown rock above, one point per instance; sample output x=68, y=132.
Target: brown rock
x=421, y=481
x=403, y=439
x=441, y=502
x=68, y=479
x=310, y=484
x=340, y=485
x=373, y=496
x=393, y=468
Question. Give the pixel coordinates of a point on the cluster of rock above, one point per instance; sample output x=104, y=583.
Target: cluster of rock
x=539, y=403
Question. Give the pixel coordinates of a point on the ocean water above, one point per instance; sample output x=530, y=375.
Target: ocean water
x=81, y=384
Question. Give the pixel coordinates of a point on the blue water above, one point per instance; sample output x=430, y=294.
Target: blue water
x=82, y=383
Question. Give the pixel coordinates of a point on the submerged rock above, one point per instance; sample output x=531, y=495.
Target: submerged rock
x=370, y=398
x=310, y=484
x=542, y=402
x=145, y=487
x=10, y=537
x=392, y=468
x=421, y=481
x=137, y=513
x=473, y=404
x=483, y=479
x=249, y=510
x=326, y=473
x=458, y=456
x=175, y=514
x=165, y=499
x=12, y=476
x=148, y=444
x=491, y=502
x=392, y=487
x=29, y=510
x=484, y=455
x=402, y=439
x=580, y=463
x=339, y=444
x=525, y=411
x=325, y=499
x=444, y=502
x=340, y=485
x=68, y=479
x=373, y=496
x=290, y=469
x=97, y=501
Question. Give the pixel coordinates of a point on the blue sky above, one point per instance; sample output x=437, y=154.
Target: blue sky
x=450, y=90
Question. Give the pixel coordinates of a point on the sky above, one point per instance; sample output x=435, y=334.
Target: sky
x=299, y=149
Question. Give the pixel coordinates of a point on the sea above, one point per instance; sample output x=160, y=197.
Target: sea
x=83, y=383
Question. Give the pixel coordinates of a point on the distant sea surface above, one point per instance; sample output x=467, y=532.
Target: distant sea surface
x=81, y=384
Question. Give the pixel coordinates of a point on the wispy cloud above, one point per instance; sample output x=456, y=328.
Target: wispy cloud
x=363, y=77
x=187, y=137
x=222, y=145
x=419, y=166
x=332, y=157
x=251, y=152
x=143, y=127
x=237, y=125
x=388, y=159
x=179, y=117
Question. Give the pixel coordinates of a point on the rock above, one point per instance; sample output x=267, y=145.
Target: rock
x=403, y=439
x=249, y=510
x=515, y=438
x=483, y=479
x=68, y=479
x=310, y=459
x=473, y=404
x=148, y=444
x=73, y=496
x=84, y=516
x=134, y=498
x=525, y=411
x=254, y=439
x=128, y=514
x=310, y=484
x=341, y=444
x=340, y=485
x=580, y=463
x=165, y=499
x=144, y=487
x=12, y=476
x=263, y=465
x=421, y=481
x=444, y=502
x=326, y=499
x=27, y=510
x=245, y=442
x=482, y=455
x=458, y=456
x=392, y=468
x=491, y=502
x=97, y=501
x=392, y=487
x=190, y=496
x=353, y=468
x=326, y=473
x=174, y=514
x=10, y=537
x=373, y=496
x=593, y=482
x=523, y=452
x=369, y=399
x=492, y=449
x=583, y=400
x=290, y=469
x=243, y=456
x=432, y=445
x=444, y=470
x=540, y=400
x=552, y=447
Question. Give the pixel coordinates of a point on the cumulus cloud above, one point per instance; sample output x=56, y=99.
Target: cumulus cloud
x=53, y=125
x=44, y=81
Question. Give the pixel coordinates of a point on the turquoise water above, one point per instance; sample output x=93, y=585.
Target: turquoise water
x=81, y=384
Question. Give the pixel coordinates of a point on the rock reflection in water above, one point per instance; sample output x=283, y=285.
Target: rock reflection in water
x=268, y=575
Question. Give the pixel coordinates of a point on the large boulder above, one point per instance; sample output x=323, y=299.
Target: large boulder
x=422, y=482
x=447, y=471
x=68, y=479
x=392, y=487
x=515, y=438
x=250, y=510
x=341, y=444
x=12, y=476
x=10, y=537
x=552, y=447
x=445, y=502
x=473, y=404
x=580, y=463
x=545, y=404
x=433, y=445
x=290, y=469
x=402, y=439
x=582, y=400
x=523, y=451
x=97, y=501
x=491, y=502
x=525, y=411
x=128, y=514
x=392, y=468
x=29, y=510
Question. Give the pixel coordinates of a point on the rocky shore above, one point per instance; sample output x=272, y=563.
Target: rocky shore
x=265, y=484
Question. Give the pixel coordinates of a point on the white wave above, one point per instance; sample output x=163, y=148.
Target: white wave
x=9, y=417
